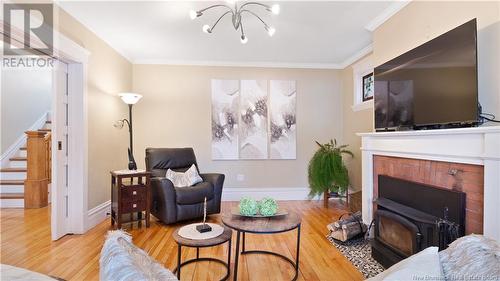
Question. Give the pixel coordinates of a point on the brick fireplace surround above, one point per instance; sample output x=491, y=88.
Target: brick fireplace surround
x=465, y=159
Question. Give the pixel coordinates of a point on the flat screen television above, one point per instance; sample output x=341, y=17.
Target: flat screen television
x=431, y=86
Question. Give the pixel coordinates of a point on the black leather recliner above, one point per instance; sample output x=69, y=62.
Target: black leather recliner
x=173, y=204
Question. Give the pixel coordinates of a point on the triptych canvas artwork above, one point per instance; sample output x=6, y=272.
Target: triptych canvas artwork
x=253, y=119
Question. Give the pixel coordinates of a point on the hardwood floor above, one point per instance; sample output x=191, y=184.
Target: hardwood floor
x=25, y=242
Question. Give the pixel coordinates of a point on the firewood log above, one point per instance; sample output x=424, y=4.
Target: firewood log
x=354, y=217
x=331, y=227
x=352, y=229
x=338, y=234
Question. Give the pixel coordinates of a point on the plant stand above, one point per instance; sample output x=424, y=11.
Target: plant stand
x=327, y=195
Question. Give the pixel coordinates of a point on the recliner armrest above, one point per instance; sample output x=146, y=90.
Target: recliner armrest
x=163, y=199
x=217, y=180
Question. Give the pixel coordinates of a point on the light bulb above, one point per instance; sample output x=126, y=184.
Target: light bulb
x=244, y=39
x=275, y=9
x=206, y=29
x=270, y=31
x=193, y=14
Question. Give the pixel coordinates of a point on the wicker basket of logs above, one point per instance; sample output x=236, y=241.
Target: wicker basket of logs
x=347, y=227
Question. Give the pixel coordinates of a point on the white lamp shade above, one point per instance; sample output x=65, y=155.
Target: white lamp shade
x=130, y=98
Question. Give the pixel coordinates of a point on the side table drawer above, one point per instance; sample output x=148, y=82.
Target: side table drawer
x=133, y=206
x=133, y=193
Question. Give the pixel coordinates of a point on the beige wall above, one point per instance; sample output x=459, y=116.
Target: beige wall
x=414, y=25
x=353, y=122
x=175, y=112
x=421, y=21
x=108, y=74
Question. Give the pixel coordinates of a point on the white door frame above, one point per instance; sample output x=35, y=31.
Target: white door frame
x=76, y=57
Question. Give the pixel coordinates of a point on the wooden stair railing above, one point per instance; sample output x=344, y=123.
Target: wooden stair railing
x=38, y=170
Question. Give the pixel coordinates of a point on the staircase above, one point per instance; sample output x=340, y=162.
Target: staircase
x=12, y=176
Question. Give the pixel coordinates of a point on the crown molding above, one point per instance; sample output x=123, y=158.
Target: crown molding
x=357, y=56
x=347, y=62
x=240, y=64
x=386, y=14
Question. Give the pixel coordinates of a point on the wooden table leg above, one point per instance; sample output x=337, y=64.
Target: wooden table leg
x=325, y=199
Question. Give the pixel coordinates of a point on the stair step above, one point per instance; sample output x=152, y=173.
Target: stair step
x=11, y=182
x=48, y=122
x=11, y=189
x=23, y=148
x=13, y=170
x=11, y=195
x=16, y=203
x=18, y=158
x=44, y=130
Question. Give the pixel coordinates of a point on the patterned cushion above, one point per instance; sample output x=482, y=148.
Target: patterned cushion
x=188, y=178
x=122, y=261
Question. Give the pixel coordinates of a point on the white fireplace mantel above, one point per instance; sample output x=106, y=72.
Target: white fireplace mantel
x=479, y=146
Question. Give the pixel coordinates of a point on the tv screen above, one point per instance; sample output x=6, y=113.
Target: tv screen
x=433, y=84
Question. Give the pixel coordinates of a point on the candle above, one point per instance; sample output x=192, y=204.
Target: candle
x=205, y=210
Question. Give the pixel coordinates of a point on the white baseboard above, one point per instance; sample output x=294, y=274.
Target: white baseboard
x=97, y=214
x=278, y=193
x=21, y=140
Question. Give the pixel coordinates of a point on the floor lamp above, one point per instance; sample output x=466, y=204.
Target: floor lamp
x=130, y=99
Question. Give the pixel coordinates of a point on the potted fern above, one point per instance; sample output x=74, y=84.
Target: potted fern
x=327, y=172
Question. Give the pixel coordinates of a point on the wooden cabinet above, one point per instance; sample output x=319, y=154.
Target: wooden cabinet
x=130, y=194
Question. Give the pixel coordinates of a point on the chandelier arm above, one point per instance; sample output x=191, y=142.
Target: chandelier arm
x=214, y=6
x=242, y=31
x=255, y=15
x=217, y=21
x=255, y=3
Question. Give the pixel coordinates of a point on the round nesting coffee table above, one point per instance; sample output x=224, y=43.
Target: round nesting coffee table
x=263, y=226
x=223, y=238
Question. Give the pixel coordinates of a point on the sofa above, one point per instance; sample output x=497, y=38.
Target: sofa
x=472, y=257
x=172, y=204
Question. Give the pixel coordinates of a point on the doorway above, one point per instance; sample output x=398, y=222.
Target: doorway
x=68, y=116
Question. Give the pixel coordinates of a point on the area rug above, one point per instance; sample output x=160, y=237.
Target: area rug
x=359, y=253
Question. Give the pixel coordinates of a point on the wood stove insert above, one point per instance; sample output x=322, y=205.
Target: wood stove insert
x=411, y=216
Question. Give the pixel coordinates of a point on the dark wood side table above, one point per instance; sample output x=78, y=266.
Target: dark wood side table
x=269, y=225
x=223, y=238
x=130, y=194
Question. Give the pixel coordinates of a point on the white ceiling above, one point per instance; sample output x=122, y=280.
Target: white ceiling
x=323, y=34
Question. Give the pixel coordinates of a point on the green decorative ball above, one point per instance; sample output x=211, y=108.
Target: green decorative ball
x=248, y=206
x=268, y=206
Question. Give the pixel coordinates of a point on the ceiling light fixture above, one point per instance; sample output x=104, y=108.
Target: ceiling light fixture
x=236, y=15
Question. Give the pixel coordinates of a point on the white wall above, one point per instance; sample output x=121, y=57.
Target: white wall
x=25, y=97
